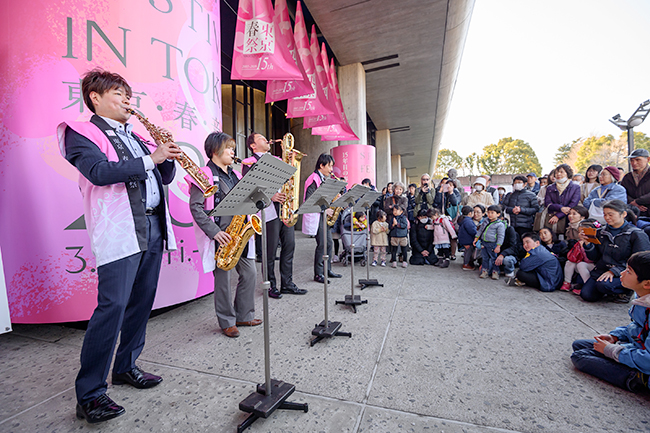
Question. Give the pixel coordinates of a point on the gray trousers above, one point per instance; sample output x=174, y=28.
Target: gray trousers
x=243, y=307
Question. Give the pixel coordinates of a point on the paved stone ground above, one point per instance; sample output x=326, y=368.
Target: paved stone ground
x=434, y=350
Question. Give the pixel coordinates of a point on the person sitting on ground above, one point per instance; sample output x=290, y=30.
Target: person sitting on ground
x=398, y=236
x=443, y=233
x=466, y=235
x=478, y=195
x=561, y=197
x=577, y=214
x=549, y=240
x=422, y=241
x=478, y=216
x=491, y=233
x=577, y=261
x=618, y=241
x=539, y=269
x=591, y=182
x=609, y=189
x=621, y=357
x=543, y=181
x=512, y=251
x=521, y=205
x=379, y=238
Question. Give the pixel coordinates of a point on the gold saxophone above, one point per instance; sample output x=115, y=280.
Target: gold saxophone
x=202, y=181
x=331, y=220
x=228, y=254
x=291, y=188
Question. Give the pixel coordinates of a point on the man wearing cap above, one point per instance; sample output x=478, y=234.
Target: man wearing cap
x=532, y=184
x=478, y=195
x=637, y=182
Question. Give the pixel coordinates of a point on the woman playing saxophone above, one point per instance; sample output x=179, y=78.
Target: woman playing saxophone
x=211, y=234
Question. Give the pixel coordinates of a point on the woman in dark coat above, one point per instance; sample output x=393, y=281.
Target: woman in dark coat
x=561, y=197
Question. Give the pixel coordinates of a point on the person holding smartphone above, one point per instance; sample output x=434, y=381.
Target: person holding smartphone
x=425, y=195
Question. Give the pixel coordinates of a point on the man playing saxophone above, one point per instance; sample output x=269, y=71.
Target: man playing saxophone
x=276, y=231
x=219, y=147
x=324, y=167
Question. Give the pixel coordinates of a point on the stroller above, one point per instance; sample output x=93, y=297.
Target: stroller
x=359, y=238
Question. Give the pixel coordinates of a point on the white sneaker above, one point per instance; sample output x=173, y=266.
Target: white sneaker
x=335, y=258
x=383, y=263
x=393, y=265
x=404, y=264
x=374, y=263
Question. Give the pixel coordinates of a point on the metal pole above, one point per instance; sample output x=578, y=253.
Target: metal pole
x=265, y=287
x=630, y=146
x=368, y=244
x=325, y=259
x=352, y=251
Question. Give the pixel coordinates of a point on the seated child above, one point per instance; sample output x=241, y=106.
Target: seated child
x=466, y=234
x=379, y=238
x=491, y=233
x=549, y=240
x=577, y=261
x=539, y=269
x=512, y=251
x=621, y=357
x=398, y=236
x=443, y=233
x=576, y=215
x=422, y=240
x=359, y=221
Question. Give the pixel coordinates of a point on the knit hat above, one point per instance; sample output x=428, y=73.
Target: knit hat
x=615, y=172
x=480, y=180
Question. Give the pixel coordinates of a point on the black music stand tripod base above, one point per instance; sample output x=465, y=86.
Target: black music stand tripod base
x=353, y=301
x=260, y=405
x=327, y=330
x=369, y=283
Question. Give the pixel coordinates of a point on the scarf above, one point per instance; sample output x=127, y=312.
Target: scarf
x=562, y=186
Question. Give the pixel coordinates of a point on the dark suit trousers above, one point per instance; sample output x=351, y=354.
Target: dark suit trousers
x=126, y=292
x=320, y=248
x=277, y=231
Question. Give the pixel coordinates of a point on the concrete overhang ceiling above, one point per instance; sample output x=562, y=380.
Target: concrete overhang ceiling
x=411, y=51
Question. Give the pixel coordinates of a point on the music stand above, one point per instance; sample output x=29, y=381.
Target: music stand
x=252, y=194
x=347, y=200
x=318, y=202
x=365, y=203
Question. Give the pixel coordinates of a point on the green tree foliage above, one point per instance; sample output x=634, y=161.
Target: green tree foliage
x=447, y=159
x=509, y=156
x=640, y=140
x=594, y=150
x=470, y=164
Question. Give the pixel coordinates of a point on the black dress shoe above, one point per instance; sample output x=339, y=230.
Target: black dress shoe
x=293, y=290
x=320, y=279
x=100, y=409
x=274, y=293
x=137, y=378
x=331, y=274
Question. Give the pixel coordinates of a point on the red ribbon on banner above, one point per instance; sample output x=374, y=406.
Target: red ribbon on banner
x=277, y=90
x=260, y=51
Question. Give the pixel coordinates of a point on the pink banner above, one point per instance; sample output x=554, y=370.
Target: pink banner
x=354, y=162
x=316, y=103
x=169, y=53
x=322, y=80
x=280, y=90
x=341, y=131
x=260, y=51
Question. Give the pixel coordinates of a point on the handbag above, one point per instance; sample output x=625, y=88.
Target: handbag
x=596, y=212
x=559, y=227
x=577, y=254
x=540, y=220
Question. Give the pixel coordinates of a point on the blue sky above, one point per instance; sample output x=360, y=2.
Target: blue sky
x=548, y=72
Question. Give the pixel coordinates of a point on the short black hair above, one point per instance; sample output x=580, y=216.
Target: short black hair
x=366, y=181
x=413, y=185
x=101, y=81
x=216, y=142
x=423, y=212
x=480, y=206
x=324, y=159
x=583, y=211
x=553, y=235
x=532, y=236
x=616, y=205
x=495, y=208
x=466, y=210
x=521, y=178
x=567, y=169
x=251, y=139
x=640, y=264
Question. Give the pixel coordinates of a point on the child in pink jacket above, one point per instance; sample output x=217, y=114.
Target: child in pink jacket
x=443, y=233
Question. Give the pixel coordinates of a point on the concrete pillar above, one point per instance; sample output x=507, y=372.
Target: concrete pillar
x=403, y=178
x=383, y=158
x=313, y=147
x=396, y=167
x=352, y=85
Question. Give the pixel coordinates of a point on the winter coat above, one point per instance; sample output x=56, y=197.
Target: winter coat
x=421, y=237
x=401, y=229
x=450, y=199
x=390, y=202
x=613, y=251
x=569, y=198
x=423, y=200
x=466, y=231
x=379, y=234
x=484, y=198
x=631, y=341
x=534, y=189
x=640, y=193
x=492, y=231
x=546, y=266
x=527, y=201
x=443, y=231
x=512, y=245
x=410, y=211
x=604, y=193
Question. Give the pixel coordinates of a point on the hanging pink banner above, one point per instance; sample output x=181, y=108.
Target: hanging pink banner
x=169, y=54
x=315, y=103
x=323, y=81
x=280, y=90
x=341, y=131
x=260, y=51
x=354, y=162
